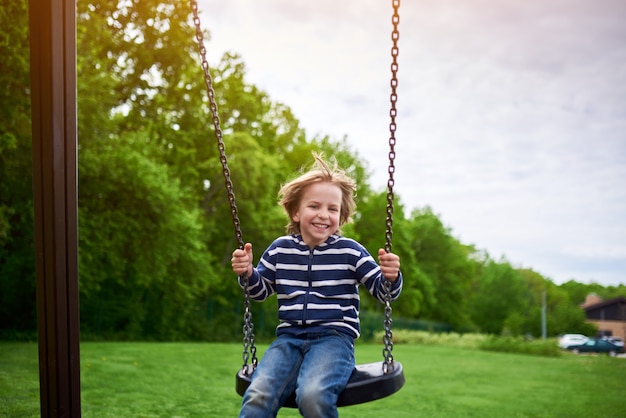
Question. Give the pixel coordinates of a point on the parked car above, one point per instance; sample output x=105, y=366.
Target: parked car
x=567, y=340
x=597, y=345
x=616, y=340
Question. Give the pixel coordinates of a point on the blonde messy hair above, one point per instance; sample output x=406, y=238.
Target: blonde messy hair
x=291, y=193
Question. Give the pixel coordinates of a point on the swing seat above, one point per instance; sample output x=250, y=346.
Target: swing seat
x=368, y=382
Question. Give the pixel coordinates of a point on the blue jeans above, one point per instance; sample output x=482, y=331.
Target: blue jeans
x=316, y=366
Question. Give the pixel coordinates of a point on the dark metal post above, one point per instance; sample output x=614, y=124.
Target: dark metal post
x=52, y=25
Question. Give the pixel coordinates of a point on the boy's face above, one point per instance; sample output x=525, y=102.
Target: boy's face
x=318, y=213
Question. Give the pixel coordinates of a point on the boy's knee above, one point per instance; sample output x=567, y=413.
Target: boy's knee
x=313, y=402
x=258, y=402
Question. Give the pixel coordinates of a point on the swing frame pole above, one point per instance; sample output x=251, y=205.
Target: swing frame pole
x=52, y=28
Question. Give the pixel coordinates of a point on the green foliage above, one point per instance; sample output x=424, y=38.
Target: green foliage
x=137, y=239
x=14, y=76
x=473, y=341
x=569, y=319
x=450, y=339
x=446, y=270
x=547, y=347
x=151, y=145
x=372, y=326
x=17, y=270
x=502, y=293
x=156, y=229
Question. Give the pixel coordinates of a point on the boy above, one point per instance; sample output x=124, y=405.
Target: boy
x=315, y=273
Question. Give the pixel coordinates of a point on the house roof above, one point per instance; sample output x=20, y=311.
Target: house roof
x=615, y=301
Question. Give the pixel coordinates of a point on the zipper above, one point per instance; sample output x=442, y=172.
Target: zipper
x=310, y=288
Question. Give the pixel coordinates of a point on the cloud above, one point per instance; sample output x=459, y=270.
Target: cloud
x=511, y=115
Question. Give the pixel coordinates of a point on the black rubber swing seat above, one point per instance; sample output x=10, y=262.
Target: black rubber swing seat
x=368, y=383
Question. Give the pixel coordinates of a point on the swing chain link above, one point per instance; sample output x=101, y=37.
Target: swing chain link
x=393, y=98
x=248, y=330
x=395, y=35
x=248, y=327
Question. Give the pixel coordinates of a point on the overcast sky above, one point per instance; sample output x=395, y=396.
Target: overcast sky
x=511, y=115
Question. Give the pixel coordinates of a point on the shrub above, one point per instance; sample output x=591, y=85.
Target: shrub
x=452, y=339
x=505, y=344
x=519, y=345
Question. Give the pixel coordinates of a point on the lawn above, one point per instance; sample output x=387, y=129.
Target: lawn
x=197, y=380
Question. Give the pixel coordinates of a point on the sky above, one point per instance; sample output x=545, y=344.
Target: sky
x=511, y=122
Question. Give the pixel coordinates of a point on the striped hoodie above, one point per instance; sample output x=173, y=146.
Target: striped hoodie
x=317, y=288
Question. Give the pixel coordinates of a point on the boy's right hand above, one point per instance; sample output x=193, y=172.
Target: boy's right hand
x=242, y=261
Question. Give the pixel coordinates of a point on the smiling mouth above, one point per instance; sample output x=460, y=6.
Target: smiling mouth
x=320, y=226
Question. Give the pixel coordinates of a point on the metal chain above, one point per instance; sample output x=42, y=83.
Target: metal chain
x=395, y=35
x=248, y=327
x=248, y=330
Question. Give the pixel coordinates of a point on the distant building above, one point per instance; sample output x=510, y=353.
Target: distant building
x=608, y=315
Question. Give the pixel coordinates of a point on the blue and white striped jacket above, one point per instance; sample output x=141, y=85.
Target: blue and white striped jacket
x=317, y=288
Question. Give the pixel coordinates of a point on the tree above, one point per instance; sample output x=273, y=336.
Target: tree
x=150, y=114
x=446, y=264
x=17, y=263
x=156, y=228
x=499, y=294
x=137, y=239
x=369, y=229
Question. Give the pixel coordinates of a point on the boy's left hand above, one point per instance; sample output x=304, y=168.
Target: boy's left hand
x=389, y=265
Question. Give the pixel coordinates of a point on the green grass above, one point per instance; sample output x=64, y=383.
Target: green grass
x=197, y=380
